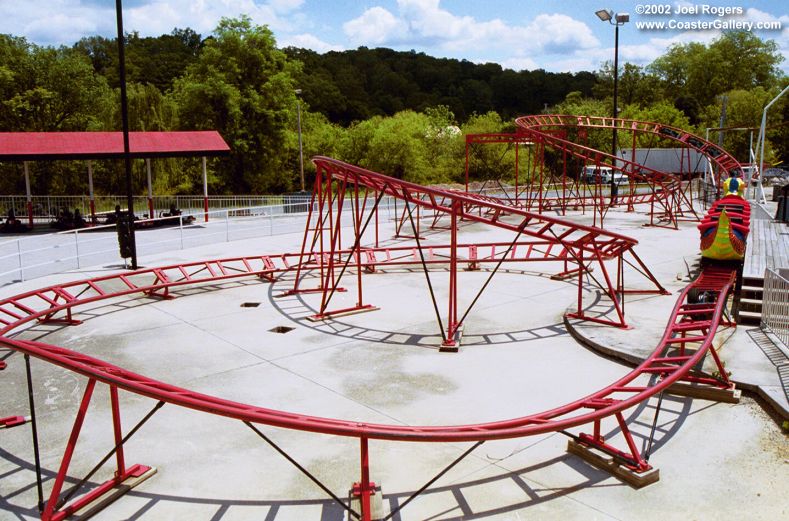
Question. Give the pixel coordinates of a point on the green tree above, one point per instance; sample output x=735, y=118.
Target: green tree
x=635, y=85
x=744, y=110
x=398, y=147
x=695, y=74
x=489, y=161
x=47, y=89
x=149, y=60
x=243, y=86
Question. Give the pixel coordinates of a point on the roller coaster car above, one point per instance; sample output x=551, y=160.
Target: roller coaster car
x=724, y=230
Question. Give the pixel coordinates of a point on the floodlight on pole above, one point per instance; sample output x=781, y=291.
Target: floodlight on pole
x=615, y=19
x=301, y=150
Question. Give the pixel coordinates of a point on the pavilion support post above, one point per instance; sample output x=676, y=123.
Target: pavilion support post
x=150, y=188
x=29, y=195
x=205, y=189
x=90, y=193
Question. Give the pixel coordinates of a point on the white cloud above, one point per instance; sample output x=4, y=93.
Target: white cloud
x=65, y=21
x=56, y=22
x=375, y=26
x=573, y=65
x=309, y=41
x=424, y=23
x=520, y=63
x=559, y=33
x=161, y=16
x=68, y=28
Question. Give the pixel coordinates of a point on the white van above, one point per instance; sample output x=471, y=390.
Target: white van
x=592, y=174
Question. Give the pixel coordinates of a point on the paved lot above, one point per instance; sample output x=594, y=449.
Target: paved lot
x=717, y=461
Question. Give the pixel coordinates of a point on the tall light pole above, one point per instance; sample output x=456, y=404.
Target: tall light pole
x=301, y=150
x=615, y=19
x=125, y=125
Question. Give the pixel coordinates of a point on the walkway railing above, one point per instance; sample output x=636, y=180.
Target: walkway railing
x=46, y=208
x=775, y=304
x=34, y=256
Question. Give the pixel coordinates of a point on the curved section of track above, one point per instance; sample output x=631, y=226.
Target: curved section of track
x=545, y=127
x=44, y=303
x=482, y=209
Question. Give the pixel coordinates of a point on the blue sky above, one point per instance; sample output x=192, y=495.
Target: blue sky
x=553, y=35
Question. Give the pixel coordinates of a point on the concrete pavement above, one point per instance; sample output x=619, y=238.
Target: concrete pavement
x=717, y=461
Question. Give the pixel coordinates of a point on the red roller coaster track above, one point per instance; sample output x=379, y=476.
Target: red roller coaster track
x=685, y=343
x=672, y=196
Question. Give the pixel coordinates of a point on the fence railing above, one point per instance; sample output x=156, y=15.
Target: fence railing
x=47, y=208
x=38, y=255
x=775, y=304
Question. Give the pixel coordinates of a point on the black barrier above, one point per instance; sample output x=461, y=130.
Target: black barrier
x=124, y=227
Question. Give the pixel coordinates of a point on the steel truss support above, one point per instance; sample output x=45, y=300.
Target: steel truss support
x=330, y=242
x=324, y=253
x=124, y=479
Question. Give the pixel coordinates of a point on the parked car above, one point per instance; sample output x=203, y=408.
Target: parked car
x=602, y=174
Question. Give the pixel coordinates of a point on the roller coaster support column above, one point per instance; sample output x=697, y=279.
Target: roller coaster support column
x=630, y=466
x=55, y=509
x=357, y=227
x=335, y=244
x=331, y=280
x=365, y=488
x=542, y=175
x=564, y=182
x=453, y=339
x=317, y=234
x=516, y=171
x=631, y=180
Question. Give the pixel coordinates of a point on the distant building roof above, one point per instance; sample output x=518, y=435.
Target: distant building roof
x=42, y=146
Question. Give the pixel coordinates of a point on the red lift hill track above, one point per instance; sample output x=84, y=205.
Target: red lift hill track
x=344, y=191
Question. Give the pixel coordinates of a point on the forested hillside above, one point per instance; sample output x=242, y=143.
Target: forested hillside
x=356, y=85
x=401, y=113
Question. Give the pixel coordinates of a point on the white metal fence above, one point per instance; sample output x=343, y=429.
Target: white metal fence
x=28, y=257
x=37, y=255
x=775, y=304
x=46, y=208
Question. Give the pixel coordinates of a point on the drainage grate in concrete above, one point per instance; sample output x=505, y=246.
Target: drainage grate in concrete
x=282, y=329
